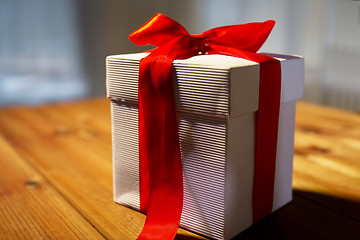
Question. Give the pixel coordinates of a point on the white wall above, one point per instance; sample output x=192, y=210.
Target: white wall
x=81, y=33
x=325, y=32
x=39, y=52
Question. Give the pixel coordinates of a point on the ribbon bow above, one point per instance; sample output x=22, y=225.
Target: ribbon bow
x=174, y=41
x=161, y=182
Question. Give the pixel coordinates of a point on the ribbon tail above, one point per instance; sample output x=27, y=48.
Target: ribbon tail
x=267, y=127
x=144, y=181
x=161, y=138
x=266, y=140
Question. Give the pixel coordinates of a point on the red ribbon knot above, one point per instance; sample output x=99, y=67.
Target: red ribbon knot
x=200, y=43
x=161, y=183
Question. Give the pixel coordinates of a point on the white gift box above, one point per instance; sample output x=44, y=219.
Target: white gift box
x=217, y=101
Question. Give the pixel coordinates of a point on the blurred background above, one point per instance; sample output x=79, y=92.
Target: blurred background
x=52, y=50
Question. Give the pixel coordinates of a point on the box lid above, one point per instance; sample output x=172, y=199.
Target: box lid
x=208, y=84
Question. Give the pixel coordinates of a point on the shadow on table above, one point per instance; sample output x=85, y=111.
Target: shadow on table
x=184, y=237
x=309, y=216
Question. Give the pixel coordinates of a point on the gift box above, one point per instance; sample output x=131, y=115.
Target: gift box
x=217, y=101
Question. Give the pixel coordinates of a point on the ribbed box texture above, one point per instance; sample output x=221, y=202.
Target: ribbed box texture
x=217, y=135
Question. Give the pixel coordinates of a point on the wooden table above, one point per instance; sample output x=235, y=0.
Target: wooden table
x=56, y=176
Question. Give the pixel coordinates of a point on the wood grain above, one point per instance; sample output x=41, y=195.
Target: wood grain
x=31, y=208
x=73, y=151
x=67, y=146
x=327, y=154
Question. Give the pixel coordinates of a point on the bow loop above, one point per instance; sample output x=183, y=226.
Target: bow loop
x=159, y=30
x=247, y=37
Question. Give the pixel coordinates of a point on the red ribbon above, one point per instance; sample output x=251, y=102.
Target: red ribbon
x=161, y=183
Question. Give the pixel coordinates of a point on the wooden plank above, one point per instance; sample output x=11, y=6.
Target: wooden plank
x=70, y=145
x=30, y=208
x=327, y=156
